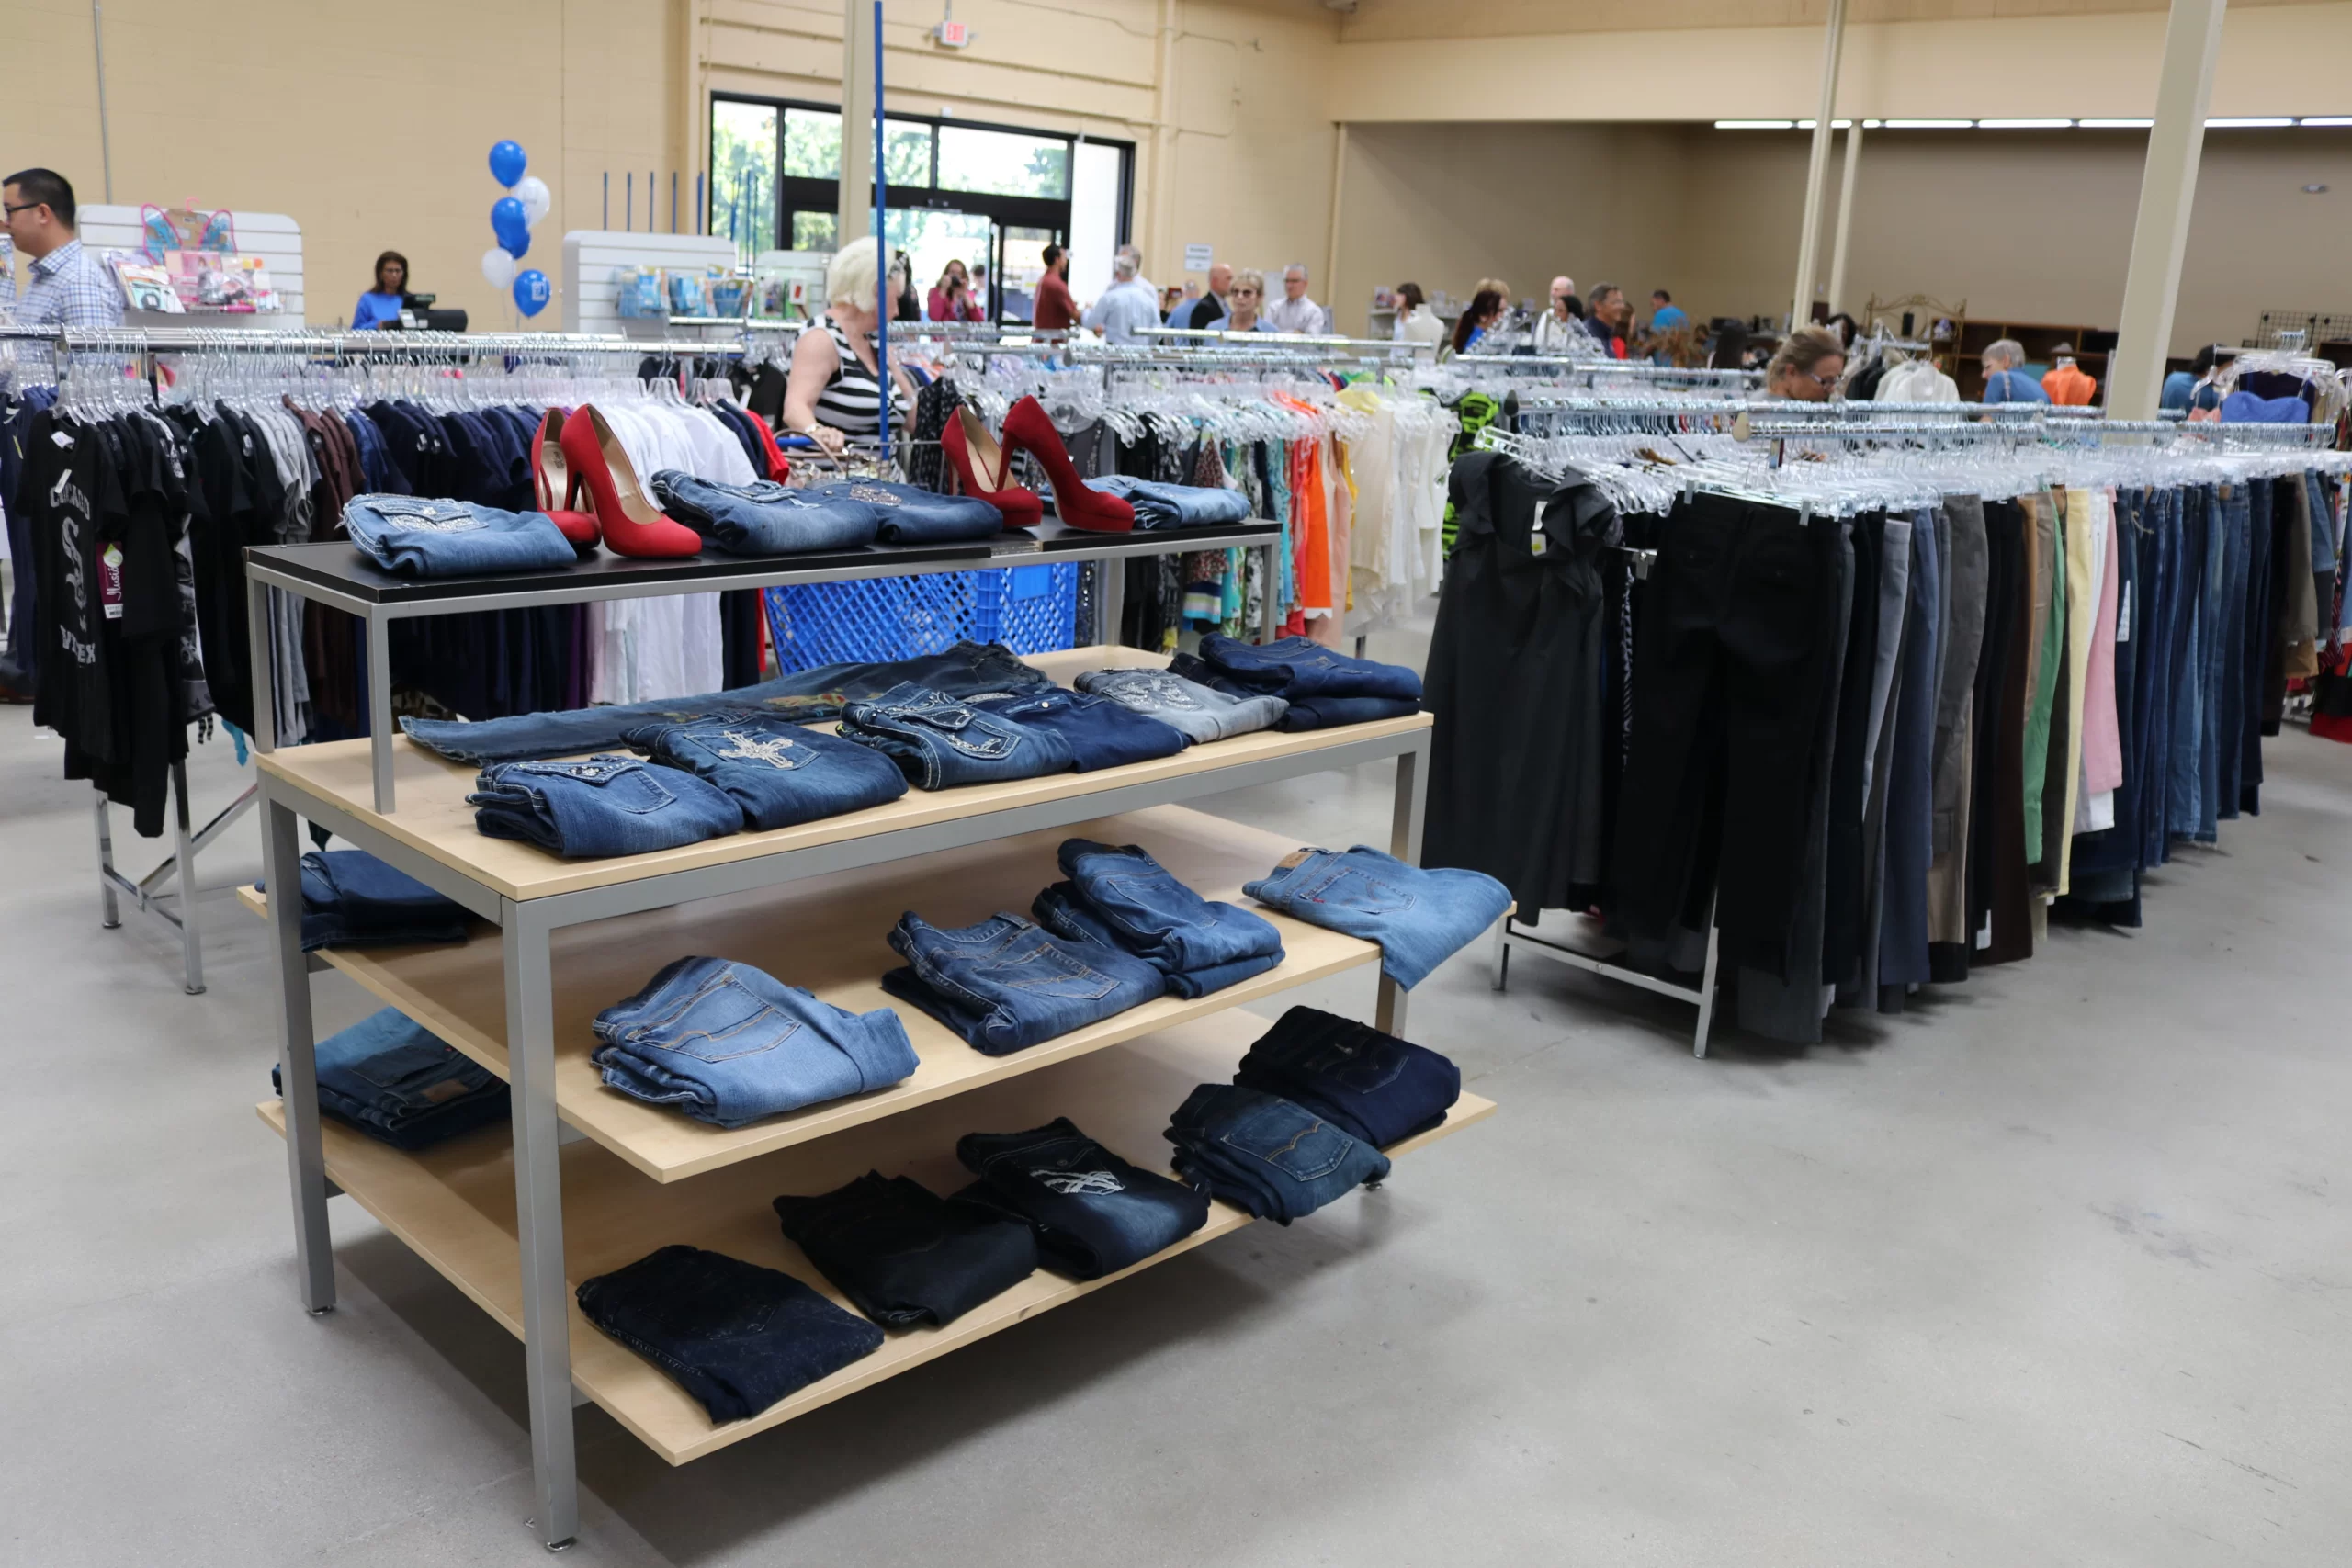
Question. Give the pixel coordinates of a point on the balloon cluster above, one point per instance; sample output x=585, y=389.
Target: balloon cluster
x=512, y=219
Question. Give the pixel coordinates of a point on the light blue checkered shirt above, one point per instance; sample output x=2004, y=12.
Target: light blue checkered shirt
x=70, y=287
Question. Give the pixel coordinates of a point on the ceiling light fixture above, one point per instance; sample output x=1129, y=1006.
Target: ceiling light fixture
x=2249, y=122
x=1756, y=125
x=2025, y=124
x=2114, y=124
x=1930, y=124
x=2314, y=190
x=2326, y=119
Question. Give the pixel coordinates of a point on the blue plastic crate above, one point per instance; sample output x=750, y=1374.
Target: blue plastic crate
x=1030, y=609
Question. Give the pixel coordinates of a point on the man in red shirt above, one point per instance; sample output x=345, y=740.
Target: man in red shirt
x=1055, y=310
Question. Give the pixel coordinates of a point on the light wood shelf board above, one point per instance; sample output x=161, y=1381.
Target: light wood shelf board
x=455, y=1206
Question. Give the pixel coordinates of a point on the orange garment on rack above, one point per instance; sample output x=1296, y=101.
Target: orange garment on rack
x=2069, y=384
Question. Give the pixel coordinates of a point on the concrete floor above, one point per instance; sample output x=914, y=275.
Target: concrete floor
x=2054, y=1269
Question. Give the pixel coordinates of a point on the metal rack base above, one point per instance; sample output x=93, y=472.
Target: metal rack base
x=178, y=868
x=1510, y=932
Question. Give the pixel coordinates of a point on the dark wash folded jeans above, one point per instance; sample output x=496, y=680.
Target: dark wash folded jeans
x=735, y=1336
x=764, y=518
x=1202, y=712
x=1419, y=918
x=1301, y=666
x=1157, y=918
x=600, y=806
x=1093, y=1211
x=1261, y=1153
x=352, y=899
x=967, y=670
x=1063, y=911
x=396, y=1081
x=728, y=1043
x=941, y=742
x=1319, y=712
x=905, y=1254
x=909, y=515
x=1378, y=1087
x=1005, y=985
x=1098, y=732
x=778, y=771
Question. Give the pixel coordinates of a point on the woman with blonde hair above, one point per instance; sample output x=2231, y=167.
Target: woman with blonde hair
x=835, y=389
x=1807, y=369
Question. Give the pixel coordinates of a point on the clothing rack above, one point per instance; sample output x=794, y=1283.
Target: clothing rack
x=1581, y=365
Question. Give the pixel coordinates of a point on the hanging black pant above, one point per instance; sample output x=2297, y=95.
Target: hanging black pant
x=1728, y=682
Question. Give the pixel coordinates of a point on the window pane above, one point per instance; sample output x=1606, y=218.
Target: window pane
x=906, y=152
x=812, y=144
x=742, y=175
x=999, y=162
x=815, y=230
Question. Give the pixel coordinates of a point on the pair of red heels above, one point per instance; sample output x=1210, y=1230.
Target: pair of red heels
x=982, y=465
x=581, y=453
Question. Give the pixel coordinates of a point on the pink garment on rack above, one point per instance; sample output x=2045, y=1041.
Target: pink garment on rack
x=2102, y=742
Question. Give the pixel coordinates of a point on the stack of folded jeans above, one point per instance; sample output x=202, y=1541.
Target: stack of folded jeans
x=1093, y=1213
x=397, y=1082
x=778, y=771
x=1376, y=1086
x=903, y=1254
x=1261, y=1153
x=1324, y=688
x=1004, y=985
x=909, y=515
x=735, y=1336
x=600, y=806
x=1100, y=733
x=940, y=742
x=764, y=518
x=728, y=1044
x=1200, y=712
x=352, y=899
x=1419, y=918
x=1118, y=897
x=1160, y=505
x=416, y=537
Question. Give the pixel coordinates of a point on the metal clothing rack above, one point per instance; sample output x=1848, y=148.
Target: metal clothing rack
x=1581, y=365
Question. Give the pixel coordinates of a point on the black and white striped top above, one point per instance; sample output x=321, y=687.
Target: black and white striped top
x=852, y=400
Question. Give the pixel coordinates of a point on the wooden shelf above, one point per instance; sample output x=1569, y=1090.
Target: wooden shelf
x=455, y=1206
x=433, y=818
x=829, y=934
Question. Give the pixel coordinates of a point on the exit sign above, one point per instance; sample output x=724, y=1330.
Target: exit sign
x=952, y=34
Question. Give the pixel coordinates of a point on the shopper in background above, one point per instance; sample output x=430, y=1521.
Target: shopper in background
x=980, y=290
x=1565, y=317
x=68, y=286
x=1664, y=314
x=1244, y=298
x=1200, y=313
x=952, y=299
x=1846, y=327
x=1415, y=323
x=1171, y=299
x=1495, y=286
x=1486, y=310
x=1294, y=312
x=1127, y=305
x=2068, y=384
x=381, y=305
x=1055, y=311
x=1611, y=317
x=834, y=390
x=905, y=307
x=1730, y=351
x=1807, y=367
x=2004, y=383
x=2193, y=388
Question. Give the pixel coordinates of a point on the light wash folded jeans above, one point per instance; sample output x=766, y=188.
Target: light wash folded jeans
x=764, y=518
x=1161, y=505
x=1201, y=714
x=416, y=536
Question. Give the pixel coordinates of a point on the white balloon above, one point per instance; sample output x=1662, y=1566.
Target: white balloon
x=498, y=267
x=532, y=192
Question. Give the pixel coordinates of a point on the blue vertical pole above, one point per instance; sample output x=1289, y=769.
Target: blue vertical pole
x=673, y=201
x=608, y=198
x=701, y=212
x=881, y=244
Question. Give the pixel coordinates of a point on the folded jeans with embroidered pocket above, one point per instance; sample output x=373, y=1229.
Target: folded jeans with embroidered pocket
x=1420, y=918
x=1100, y=733
x=401, y=1084
x=904, y=1255
x=352, y=899
x=1063, y=911
x=764, y=518
x=728, y=1043
x=1378, y=1087
x=1201, y=714
x=909, y=515
x=1315, y=711
x=778, y=771
x=735, y=1336
x=1261, y=1153
x=1004, y=985
x=1094, y=1213
x=600, y=806
x=942, y=742
x=1157, y=918
x=416, y=536
x=1301, y=666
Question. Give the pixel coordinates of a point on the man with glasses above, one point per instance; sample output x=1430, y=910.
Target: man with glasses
x=1294, y=312
x=67, y=286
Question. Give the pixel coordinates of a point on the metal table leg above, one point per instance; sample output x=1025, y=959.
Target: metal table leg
x=265, y=683
x=1110, y=598
x=380, y=728
x=184, y=865
x=1405, y=843
x=539, y=1213
x=109, y=916
x=298, y=1066
x=1268, y=611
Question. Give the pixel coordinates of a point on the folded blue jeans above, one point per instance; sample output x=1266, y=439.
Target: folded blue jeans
x=1157, y=918
x=1159, y=504
x=1314, y=712
x=967, y=670
x=1261, y=1153
x=600, y=806
x=764, y=518
x=778, y=771
x=729, y=1044
x=1094, y=1213
x=352, y=899
x=1100, y=733
x=1419, y=918
x=1061, y=909
x=416, y=537
x=1004, y=985
x=1201, y=714
x=1301, y=666
x=735, y=1336
x=903, y=1254
x=909, y=515
x=1376, y=1086
x=941, y=742
x=399, y=1083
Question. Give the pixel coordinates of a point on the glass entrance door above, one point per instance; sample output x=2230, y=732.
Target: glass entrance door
x=933, y=237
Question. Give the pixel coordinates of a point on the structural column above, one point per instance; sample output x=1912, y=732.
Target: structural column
x=855, y=214
x=1817, y=173
x=1845, y=216
x=2167, y=192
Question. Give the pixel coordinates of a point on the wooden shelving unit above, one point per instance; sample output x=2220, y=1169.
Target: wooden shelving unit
x=2092, y=346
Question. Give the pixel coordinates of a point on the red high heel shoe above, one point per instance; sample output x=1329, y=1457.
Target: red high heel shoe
x=981, y=463
x=1027, y=427
x=633, y=526
x=549, y=475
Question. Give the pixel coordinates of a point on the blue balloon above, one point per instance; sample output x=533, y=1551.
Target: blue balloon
x=532, y=291
x=508, y=216
x=516, y=244
x=507, y=162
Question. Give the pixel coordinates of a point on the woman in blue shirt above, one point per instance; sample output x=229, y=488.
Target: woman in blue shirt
x=382, y=303
x=2193, y=388
x=2003, y=381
